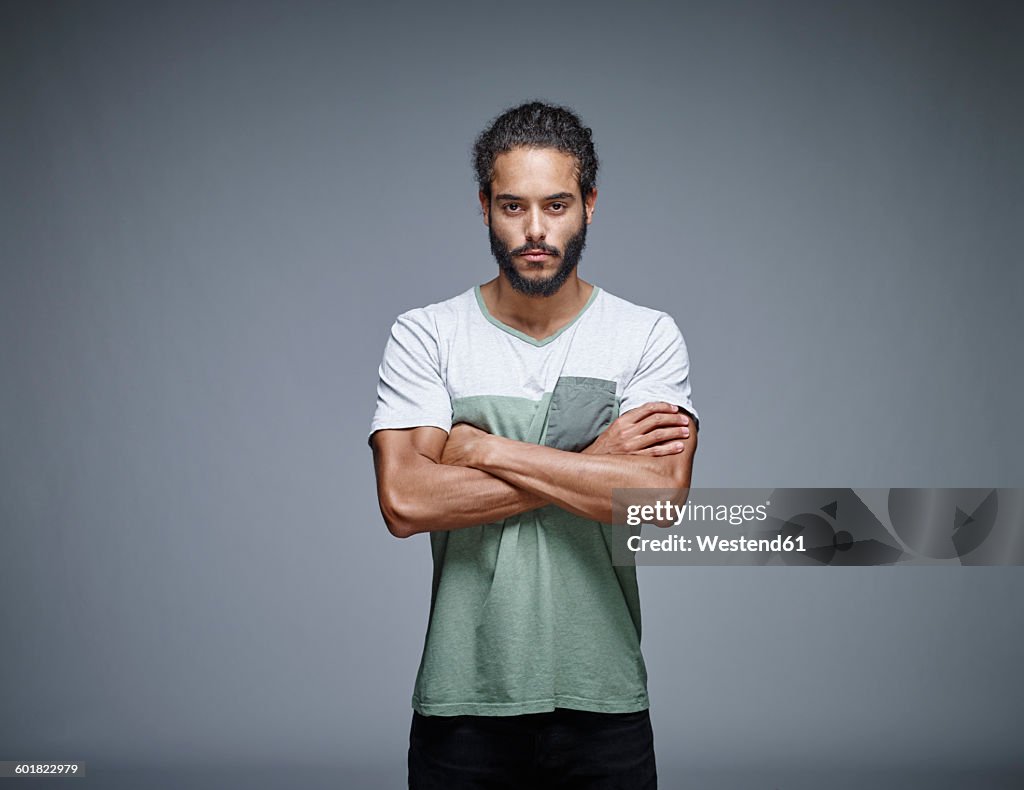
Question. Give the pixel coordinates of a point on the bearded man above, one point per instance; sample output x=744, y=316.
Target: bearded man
x=505, y=417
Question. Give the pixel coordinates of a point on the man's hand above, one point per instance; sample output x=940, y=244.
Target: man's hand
x=654, y=429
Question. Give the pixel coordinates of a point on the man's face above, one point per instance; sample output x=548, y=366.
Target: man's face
x=536, y=218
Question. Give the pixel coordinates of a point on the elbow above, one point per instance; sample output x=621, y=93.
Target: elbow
x=400, y=529
x=398, y=516
x=679, y=475
x=680, y=485
x=680, y=488
x=674, y=481
x=677, y=491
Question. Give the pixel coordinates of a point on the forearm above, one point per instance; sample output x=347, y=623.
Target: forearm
x=430, y=497
x=577, y=482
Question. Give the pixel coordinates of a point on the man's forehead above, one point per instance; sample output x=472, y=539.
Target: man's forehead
x=539, y=169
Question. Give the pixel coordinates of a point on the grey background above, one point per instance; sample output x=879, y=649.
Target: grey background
x=212, y=212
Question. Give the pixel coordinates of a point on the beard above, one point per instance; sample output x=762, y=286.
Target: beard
x=531, y=286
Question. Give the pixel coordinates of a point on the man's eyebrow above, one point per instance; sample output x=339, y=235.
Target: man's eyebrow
x=556, y=196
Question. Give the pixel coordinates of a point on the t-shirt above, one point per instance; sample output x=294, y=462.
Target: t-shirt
x=529, y=614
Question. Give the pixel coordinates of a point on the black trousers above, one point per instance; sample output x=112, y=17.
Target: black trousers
x=570, y=749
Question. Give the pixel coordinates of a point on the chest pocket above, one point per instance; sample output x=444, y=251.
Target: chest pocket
x=581, y=407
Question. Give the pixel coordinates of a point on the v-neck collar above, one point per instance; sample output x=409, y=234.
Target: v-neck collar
x=522, y=335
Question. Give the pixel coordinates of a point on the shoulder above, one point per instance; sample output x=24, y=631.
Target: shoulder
x=434, y=318
x=622, y=313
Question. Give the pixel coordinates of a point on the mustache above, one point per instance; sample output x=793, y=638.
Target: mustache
x=539, y=246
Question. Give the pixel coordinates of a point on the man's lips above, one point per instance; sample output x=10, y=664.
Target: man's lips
x=534, y=256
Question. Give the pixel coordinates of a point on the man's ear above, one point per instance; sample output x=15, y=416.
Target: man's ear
x=485, y=206
x=588, y=203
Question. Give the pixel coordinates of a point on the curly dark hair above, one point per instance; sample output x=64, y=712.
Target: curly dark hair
x=536, y=125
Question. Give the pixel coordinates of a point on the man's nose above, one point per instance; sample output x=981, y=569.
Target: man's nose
x=535, y=230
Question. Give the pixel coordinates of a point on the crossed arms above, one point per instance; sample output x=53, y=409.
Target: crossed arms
x=428, y=480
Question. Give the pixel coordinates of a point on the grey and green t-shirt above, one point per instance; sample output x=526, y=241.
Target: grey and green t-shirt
x=529, y=614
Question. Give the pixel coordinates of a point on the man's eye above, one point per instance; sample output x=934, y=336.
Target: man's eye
x=557, y=206
x=511, y=206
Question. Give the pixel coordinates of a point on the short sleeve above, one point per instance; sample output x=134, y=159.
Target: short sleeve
x=664, y=371
x=410, y=388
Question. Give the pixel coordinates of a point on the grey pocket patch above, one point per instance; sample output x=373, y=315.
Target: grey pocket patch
x=581, y=407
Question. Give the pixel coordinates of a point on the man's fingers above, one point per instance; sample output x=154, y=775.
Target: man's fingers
x=664, y=448
x=661, y=420
x=654, y=407
x=664, y=435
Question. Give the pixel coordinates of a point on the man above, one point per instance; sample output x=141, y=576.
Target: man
x=505, y=417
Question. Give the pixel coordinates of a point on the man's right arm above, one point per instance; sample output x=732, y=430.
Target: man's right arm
x=417, y=493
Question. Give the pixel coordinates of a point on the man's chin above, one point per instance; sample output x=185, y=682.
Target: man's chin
x=534, y=285
x=539, y=277
x=539, y=287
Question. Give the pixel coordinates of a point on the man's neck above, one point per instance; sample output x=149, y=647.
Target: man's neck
x=536, y=316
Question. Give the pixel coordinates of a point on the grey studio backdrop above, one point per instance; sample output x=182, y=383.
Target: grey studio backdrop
x=212, y=213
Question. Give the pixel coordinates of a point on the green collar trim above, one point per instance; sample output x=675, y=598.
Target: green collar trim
x=522, y=335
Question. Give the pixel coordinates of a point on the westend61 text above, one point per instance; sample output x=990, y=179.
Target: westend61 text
x=715, y=543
